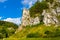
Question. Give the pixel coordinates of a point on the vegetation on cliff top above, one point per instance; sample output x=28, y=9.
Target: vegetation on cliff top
x=37, y=8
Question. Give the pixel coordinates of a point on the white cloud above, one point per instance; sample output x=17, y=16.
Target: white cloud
x=28, y=2
x=3, y=1
x=14, y=20
x=0, y=17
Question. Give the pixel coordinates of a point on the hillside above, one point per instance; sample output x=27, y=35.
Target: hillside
x=8, y=24
x=7, y=29
x=37, y=31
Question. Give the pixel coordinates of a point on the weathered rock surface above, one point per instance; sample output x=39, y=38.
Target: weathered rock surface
x=49, y=16
x=27, y=20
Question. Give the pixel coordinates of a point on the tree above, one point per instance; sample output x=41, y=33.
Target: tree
x=7, y=29
x=37, y=8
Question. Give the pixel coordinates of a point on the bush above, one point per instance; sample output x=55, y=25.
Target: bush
x=57, y=33
x=37, y=8
x=49, y=34
x=33, y=35
x=7, y=29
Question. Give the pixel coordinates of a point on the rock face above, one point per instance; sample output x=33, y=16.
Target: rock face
x=34, y=21
x=27, y=20
x=49, y=17
x=25, y=17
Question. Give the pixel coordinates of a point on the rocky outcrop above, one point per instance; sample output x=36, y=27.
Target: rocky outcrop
x=27, y=20
x=25, y=17
x=34, y=21
x=49, y=17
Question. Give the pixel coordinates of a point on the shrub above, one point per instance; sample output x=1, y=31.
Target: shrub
x=57, y=33
x=7, y=29
x=33, y=35
x=49, y=34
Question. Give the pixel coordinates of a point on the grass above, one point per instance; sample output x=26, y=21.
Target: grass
x=32, y=38
x=39, y=29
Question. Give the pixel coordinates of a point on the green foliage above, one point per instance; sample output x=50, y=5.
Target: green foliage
x=58, y=17
x=50, y=34
x=38, y=31
x=8, y=24
x=33, y=35
x=58, y=38
x=57, y=33
x=7, y=29
x=37, y=8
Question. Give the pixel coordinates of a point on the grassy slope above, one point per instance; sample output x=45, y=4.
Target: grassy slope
x=22, y=35
x=33, y=39
x=40, y=29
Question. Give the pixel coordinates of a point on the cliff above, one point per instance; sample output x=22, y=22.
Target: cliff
x=50, y=16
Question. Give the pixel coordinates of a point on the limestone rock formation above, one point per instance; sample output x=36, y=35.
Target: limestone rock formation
x=50, y=16
x=48, y=19
x=25, y=17
x=34, y=21
x=27, y=20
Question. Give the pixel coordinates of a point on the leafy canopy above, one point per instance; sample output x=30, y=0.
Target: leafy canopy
x=7, y=29
x=37, y=8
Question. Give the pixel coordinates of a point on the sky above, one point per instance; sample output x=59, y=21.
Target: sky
x=11, y=10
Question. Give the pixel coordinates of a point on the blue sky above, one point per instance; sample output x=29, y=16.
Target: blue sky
x=11, y=10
